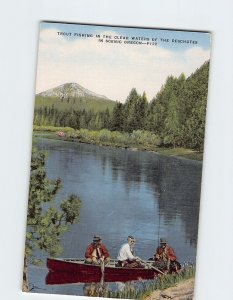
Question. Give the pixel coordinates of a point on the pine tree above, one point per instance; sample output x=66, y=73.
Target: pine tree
x=141, y=107
x=117, y=121
x=45, y=221
x=172, y=122
x=130, y=111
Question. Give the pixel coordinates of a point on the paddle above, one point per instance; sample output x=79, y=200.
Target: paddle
x=102, y=266
x=150, y=266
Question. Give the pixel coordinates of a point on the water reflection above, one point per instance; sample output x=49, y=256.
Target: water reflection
x=176, y=185
x=103, y=289
x=91, y=289
x=96, y=289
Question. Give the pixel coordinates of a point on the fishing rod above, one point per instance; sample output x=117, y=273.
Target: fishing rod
x=159, y=231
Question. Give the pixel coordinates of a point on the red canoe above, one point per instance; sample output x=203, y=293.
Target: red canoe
x=63, y=271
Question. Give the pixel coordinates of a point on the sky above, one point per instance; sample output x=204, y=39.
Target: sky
x=109, y=61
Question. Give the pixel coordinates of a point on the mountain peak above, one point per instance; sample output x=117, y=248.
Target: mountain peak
x=70, y=90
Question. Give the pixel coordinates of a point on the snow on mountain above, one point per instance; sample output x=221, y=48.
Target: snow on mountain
x=70, y=90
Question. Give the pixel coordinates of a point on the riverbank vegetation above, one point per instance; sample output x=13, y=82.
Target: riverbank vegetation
x=175, y=117
x=45, y=221
x=136, y=140
x=143, y=289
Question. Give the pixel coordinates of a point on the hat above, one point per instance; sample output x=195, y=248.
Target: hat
x=163, y=241
x=97, y=238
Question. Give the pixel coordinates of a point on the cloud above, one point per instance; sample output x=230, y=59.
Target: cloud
x=196, y=55
x=110, y=69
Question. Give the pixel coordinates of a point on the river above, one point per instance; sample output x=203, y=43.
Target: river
x=123, y=193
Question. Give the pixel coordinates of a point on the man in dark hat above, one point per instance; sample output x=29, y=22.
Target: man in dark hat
x=165, y=257
x=96, y=252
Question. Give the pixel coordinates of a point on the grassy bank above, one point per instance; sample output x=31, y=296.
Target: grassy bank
x=137, y=140
x=144, y=289
x=160, y=283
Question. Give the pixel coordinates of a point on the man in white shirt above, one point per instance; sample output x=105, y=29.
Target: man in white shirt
x=126, y=256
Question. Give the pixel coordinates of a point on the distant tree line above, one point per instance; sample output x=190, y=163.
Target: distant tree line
x=77, y=119
x=176, y=114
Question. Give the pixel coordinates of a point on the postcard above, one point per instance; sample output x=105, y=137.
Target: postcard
x=116, y=164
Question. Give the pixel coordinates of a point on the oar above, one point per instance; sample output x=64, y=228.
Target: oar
x=149, y=265
x=102, y=267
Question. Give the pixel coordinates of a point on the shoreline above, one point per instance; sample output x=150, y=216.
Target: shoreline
x=181, y=291
x=179, y=153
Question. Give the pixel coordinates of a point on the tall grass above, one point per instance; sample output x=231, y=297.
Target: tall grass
x=144, y=288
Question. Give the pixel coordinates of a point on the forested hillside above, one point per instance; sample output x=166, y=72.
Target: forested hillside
x=176, y=114
x=73, y=103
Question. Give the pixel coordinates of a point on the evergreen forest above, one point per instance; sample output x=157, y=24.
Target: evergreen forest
x=176, y=115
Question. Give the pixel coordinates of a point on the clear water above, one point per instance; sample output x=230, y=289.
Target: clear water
x=123, y=193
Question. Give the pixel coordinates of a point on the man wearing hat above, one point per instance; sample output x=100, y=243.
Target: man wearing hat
x=126, y=256
x=165, y=257
x=96, y=252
